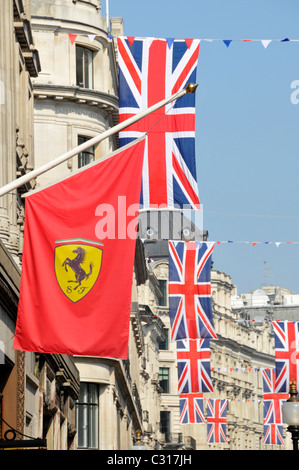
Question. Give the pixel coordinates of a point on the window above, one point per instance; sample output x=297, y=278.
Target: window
x=164, y=379
x=163, y=289
x=164, y=344
x=165, y=422
x=84, y=67
x=86, y=157
x=87, y=416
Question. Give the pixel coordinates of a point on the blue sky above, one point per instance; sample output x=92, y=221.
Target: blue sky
x=247, y=128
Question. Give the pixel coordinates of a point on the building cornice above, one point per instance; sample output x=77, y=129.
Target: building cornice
x=254, y=355
x=100, y=100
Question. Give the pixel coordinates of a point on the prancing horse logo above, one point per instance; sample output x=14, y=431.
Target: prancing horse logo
x=77, y=266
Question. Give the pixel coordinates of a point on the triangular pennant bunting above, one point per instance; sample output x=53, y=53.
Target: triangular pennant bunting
x=189, y=42
x=131, y=40
x=73, y=38
x=266, y=42
x=169, y=41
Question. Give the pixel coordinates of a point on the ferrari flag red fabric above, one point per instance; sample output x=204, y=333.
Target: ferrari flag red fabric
x=78, y=258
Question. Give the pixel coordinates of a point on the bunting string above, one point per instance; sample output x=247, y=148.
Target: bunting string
x=242, y=370
x=260, y=242
x=277, y=243
x=227, y=42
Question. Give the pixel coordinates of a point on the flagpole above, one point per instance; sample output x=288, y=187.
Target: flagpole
x=107, y=15
x=190, y=88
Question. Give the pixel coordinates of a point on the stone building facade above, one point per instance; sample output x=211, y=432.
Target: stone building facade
x=37, y=392
x=19, y=64
x=76, y=92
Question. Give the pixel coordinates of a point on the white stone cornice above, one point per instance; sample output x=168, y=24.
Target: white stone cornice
x=104, y=100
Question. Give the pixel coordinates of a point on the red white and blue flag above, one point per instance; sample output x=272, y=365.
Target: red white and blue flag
x=273, y=421
x=216, y=420
x=286, y=338
x=191, y=408
x=151, y=70
x=273, y=434
x=189, y=289
x=193, y=363
x=272, y=400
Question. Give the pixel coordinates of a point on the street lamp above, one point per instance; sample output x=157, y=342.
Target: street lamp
x=290, y=414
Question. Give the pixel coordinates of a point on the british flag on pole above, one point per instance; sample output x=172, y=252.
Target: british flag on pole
x=216, y=420
x=273, y=421
x=189, y=289
x=193, y=362
x=191, y=408
x=151, y=70
x=286, y=337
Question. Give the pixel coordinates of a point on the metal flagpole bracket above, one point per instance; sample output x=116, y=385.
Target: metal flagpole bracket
x=10, y=440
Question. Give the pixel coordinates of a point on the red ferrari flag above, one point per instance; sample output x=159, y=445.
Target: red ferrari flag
x=78, y=259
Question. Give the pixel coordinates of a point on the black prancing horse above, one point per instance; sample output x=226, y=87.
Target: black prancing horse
x=75, y=265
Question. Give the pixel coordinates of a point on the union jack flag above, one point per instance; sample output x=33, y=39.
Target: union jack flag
x=273, y=421
x=191, y=408
x=273, y=434
x=151, y=70
x=272, y=400
x=216, y=420
x=193, y=362
x=286, y=354
x=189, y=289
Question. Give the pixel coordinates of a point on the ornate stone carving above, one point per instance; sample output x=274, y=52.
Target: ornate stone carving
x=20, y=365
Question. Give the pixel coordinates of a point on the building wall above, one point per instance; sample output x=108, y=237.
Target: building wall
x=58, y=389
x=18, y=65
x=153, y=330
x=22, y=407
x=64, y=110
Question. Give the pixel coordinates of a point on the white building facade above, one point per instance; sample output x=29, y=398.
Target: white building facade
x=76, y=92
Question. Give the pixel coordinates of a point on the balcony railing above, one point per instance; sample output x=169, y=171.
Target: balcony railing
x=190, y=442
x=175, y=440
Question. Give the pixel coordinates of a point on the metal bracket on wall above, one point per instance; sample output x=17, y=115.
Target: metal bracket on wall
x=10, y=440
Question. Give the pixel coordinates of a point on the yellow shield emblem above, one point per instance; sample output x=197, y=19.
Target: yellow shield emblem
x=77, y=266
